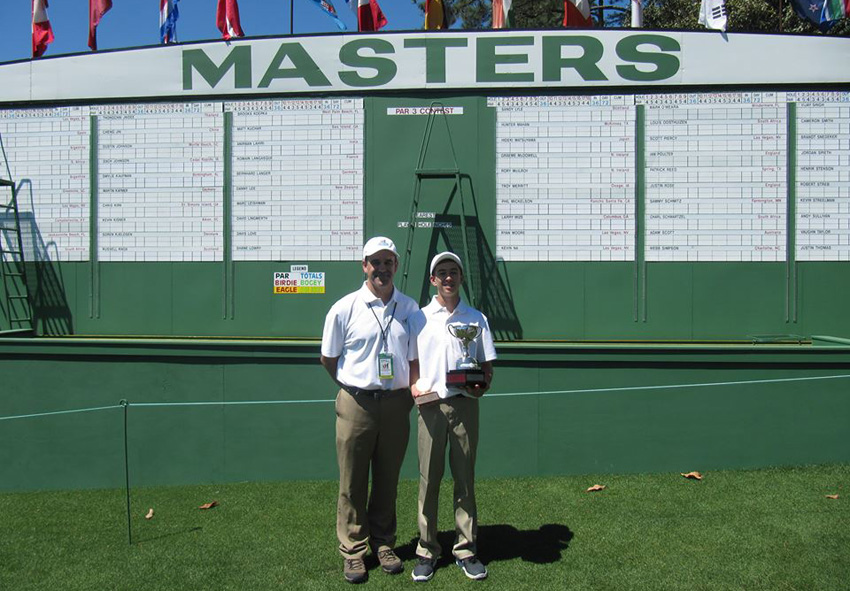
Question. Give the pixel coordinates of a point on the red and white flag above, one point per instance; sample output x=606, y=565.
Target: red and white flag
x=369, y=15
x=42, y=33
x=227, y=19
x=97, y=8
x=577, y=14
x=502, y=16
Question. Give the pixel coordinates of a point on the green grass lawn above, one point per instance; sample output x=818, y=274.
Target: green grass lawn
x=761, y=529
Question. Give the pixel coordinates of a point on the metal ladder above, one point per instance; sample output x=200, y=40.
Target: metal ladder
x=13, y=267
x=421, y=173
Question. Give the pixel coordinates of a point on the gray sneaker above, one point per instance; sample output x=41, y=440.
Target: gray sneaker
x=472, y=568
x=424, y=569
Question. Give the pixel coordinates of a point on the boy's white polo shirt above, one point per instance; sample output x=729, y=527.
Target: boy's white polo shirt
x=438, y=351
x=352, y=332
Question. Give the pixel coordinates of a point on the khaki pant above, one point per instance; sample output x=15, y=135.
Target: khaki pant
x=370, y=434
x=453, y=421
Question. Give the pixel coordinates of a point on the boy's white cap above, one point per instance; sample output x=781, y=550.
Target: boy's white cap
x=445, y=256
x=377, y=244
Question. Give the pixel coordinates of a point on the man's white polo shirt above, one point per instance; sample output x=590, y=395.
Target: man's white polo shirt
x=353, y=332
x=438, y=351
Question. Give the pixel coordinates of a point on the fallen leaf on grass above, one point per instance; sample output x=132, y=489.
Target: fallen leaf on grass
x=831, y=496
x=209, y=505
x=694, y=475
x=149, y=514
x=596, y=487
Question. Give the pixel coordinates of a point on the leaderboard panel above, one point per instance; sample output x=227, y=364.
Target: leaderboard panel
x=160, y=182
x=715, y=176
x=49, y=149
x=823, y=176
x=565, y=178
x=298, y=179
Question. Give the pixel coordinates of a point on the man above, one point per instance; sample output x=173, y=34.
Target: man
x=451, y=419
x=365, y=351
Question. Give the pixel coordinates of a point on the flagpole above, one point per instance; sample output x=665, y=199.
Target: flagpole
x=291, y=17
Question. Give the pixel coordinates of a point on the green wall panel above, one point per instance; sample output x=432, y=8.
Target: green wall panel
x=823, y=290
x=737, y=300
x=666, y=309
x=571, y=409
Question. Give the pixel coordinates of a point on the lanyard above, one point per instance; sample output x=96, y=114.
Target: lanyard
x=384, y=329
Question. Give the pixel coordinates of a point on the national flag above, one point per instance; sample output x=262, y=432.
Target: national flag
x=637, y=14
x=97, y=8
x=502, y=14
x=369, y=15
x=811, y=10
x=435, y=15
x=712, y=14
x=329, y=9
x=168, y=15
x=42, y=32
x=833, y=11
x=577, y=14
x=227, y=19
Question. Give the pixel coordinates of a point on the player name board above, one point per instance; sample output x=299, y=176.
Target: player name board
x=160, y=179
x=715, y=176
x=565, y=178
x=297, y=179
x=48, y=157
x=823, y=176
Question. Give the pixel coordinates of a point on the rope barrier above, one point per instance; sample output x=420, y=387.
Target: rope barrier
x=60, y=412
x=497, y=395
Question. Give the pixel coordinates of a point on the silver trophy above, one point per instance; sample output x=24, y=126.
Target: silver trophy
x=468, y=372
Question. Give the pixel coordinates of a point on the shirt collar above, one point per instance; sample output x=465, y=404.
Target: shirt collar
x=435, y=307
x=367, y=296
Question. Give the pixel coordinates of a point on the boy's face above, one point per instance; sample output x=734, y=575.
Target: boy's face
x=447, y=278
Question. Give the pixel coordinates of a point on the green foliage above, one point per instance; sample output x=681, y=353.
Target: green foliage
x=745, y=16
x=472, y=14
x=528, y=14
x=770, y=530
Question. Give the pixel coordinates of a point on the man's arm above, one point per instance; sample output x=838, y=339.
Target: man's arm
x=330, y=365
x=414, y=377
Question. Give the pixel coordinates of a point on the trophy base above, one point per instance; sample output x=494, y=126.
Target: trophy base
x=463, y=378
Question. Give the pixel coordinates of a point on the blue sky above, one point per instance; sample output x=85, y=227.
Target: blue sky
x=133, y=23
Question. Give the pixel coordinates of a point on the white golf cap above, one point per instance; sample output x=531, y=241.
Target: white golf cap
x=376, y=244
x=445, y=256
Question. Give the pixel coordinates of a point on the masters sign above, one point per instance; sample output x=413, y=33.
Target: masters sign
x=548, y=61
x=430, y=60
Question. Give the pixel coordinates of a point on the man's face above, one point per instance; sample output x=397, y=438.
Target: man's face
x=447, y=278
x=380, y=269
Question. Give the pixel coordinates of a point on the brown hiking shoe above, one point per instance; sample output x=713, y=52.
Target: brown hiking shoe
x=390, y=563
x=354, y=570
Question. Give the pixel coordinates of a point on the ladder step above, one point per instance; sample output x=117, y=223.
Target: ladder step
x=24, y=319
x=18, y=297
x=437, y=172
x=12, y=252
x=12, y=274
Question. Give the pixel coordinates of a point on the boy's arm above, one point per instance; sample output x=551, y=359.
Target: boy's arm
x=487, y=368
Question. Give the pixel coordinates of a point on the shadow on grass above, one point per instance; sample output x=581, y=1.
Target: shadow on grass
x=543, y=545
